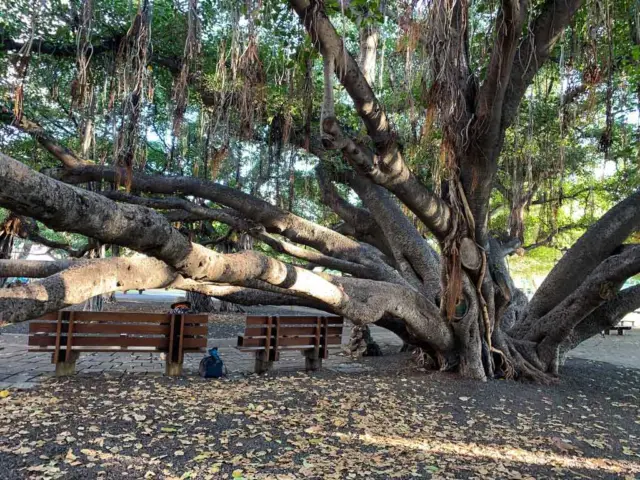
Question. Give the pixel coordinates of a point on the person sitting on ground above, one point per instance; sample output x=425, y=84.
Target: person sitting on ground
x=181, y=307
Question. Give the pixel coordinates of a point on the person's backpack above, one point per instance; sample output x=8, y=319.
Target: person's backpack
x=212, y=366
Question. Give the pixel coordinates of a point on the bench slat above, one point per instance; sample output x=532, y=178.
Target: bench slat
x=291, y=320
x=291, y=330
x=301, y=341
x=113, y=328
x=289, y=347
x=116, y=349
x=158, y=342
x=127, y=317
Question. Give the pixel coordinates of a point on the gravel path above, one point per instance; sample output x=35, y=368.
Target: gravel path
x=381, y=425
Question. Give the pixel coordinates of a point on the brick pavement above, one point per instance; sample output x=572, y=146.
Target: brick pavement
x=22, y=369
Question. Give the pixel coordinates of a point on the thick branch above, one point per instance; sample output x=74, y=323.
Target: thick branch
x=64, y=207
x=34, y=268
x=80, y=282
x=274, y=219
x=413, y=255
x=172, y=203
x=534, y=50
x=597, y=243
x=359, y=218
x=326, y=39
x=29, y=230
x=41, y=46
x=398, y=179
x=492, y=91
x=71, y=209
x=317, y=258
x=600, y=286
x=62, y=153
x=605, y=316
x=199, y=212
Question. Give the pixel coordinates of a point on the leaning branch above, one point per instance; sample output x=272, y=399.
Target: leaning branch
x=326, y=39
x=35, y=268
x=600, y=286
x=605, y=316
x=62, y=153
x=73, y=282
x=492, y=91
x=534, y=50
x=66, y=208
x=80, y=282
x=226, y=216
x=599, y=242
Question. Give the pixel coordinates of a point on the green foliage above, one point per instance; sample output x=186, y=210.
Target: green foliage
x=553, y=153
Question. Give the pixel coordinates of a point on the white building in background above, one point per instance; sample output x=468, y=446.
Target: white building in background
x=39, y=252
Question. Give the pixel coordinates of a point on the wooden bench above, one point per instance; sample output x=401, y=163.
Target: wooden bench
x=68, y=333
x=621, y=327
x=268, y=335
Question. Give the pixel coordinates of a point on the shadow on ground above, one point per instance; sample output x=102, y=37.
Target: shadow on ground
x=386, y=424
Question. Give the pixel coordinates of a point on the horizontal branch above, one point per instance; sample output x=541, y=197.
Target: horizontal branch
x=171, y=203
x=80, y=282
x=72, y=282
x=274, y=219
x=68, y=208
x=99, y=46
x=195, y=212
x=29, y=230
x=34, y=268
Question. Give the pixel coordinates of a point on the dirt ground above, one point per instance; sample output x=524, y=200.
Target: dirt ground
x=390, y=423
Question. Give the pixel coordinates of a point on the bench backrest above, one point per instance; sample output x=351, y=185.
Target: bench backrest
x=278, y=332
x=113, y=331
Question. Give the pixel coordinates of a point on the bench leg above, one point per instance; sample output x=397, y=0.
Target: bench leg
x=312, y=361
x=66, y=363
x=620, y=331
x=263, y=364
x=173, y=369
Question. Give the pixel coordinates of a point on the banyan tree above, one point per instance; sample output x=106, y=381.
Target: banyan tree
x=360, y=144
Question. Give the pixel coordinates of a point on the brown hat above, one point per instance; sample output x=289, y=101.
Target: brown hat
x=181, y=304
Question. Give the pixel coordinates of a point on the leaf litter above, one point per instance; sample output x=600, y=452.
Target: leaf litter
x=377, y=425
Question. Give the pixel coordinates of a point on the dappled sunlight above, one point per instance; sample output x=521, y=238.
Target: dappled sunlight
x=315, y=426
x=498, y=453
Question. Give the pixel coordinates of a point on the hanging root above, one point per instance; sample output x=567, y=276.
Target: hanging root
x=328, y=113
x=191, y=51
x=80, y=84
x=505, y=364
x=133, y=53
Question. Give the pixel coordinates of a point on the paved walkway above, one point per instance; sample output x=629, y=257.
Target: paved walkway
x=619, y=350
x=22, y=369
